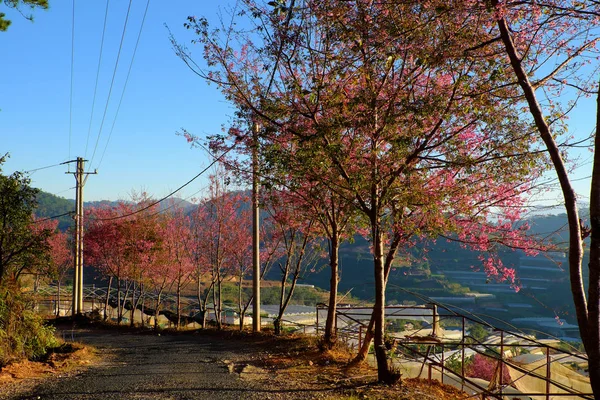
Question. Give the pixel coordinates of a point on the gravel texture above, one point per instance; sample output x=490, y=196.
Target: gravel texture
x=149, y=366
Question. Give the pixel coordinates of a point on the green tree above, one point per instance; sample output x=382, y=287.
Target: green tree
x=17, y=5
x=22, y=245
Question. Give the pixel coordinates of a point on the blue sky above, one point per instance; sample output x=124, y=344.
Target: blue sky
x=162, y=96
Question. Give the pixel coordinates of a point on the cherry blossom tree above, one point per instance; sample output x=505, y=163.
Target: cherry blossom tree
x=299, y=245
x=61, y=256
x=217, y=223
x=177, y=244
x=409, y=129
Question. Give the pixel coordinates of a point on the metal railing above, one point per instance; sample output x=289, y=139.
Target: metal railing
x=430, y=346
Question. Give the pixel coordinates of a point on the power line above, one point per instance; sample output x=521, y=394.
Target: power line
x=72, y=63
x=125, y=85
x=217, y=159
x=97, y=76
x=41, y=168
x=112, y=82
x=62, y=191
x=177, y=203
x=53, y=217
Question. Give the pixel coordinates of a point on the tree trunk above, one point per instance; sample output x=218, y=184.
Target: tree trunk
x=125, y=295
x=157, y=309
x=366, y=343
x=178, y=324
x=330, y=336
x=240, y=306
x=384, y=373
x=119, y=309
x=593, y=339
x=587, y=314
x=58, y=299
x=277, y=320
x=286, y=302
x=201, y=308
x=216, y=303
x=133, y=305
x=107, y=297
x=364, y=350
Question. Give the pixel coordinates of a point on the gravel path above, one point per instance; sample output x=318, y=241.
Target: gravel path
x=145, y=366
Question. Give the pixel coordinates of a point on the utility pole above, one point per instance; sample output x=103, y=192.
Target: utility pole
x=256, y=323
x=77, y=305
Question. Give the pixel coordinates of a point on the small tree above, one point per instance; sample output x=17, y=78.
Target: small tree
x=23, y=246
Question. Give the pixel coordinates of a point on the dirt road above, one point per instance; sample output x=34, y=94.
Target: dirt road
x=147, y=366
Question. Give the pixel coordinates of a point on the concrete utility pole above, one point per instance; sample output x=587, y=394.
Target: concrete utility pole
x=77, y=305
x=255, y=234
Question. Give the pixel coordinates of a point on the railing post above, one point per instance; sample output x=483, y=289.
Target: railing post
x=317, y=328
x=500, y=379
x=547, y=373
x=436, y=322
x=442, y=361
x=462, y=364
x=429, y=372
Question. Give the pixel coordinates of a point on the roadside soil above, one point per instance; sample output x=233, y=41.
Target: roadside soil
x=111, y=363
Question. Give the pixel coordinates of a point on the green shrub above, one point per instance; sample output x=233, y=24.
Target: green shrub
x=23, y=333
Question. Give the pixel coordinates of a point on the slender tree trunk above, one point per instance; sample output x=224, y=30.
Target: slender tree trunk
x=277, y=320
x=128, y=284
x=330, y=336
x=58, y=299
x=384, y=373
x=364, y=350
x=286, y=302
x=587, y=314
x=137, y=302
x=240, y=306
x=157, y=309
x=119, y=309
x=178, y=324
x=216, y=302
x=142, y=301
x=133, y=305
x=593, y=346
x=107, y=297
x=201, y=307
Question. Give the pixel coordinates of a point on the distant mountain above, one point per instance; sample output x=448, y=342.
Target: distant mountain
x=50, y=205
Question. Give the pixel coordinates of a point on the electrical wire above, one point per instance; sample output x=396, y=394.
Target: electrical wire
x=217, y=159
x=53, y=217
x=97, y=76
x=72, y=64
x=125, y=85
x=112, y=81
x=175, y=204
x=30, y=171
x=62, y=191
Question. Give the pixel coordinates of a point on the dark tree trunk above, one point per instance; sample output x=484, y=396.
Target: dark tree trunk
x=157, y=309
x=110, y=280
x=384, y=373
x=58, y=299
x=593, y=340
x=330, y=335
x=178, y=324
x=587, y=314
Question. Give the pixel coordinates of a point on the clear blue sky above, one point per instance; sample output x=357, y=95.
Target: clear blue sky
x=162, y=96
